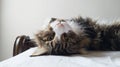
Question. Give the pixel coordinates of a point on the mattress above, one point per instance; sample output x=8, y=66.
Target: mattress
x=93, y=59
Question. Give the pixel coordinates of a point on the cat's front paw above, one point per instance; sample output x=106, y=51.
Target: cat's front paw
x=64, y=37
x=69, y=36
x=46, y=35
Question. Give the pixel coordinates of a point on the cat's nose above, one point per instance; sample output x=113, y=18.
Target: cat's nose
x=60, y=24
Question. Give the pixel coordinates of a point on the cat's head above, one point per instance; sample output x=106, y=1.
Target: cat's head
x=54, y=29
x=59, y=26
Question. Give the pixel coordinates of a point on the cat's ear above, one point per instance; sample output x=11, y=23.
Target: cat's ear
x=39, y=51
x=52, y=19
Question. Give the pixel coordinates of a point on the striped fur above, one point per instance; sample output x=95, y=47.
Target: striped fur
x=91, y=36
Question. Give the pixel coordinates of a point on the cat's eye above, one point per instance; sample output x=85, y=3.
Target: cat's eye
x=62, y=21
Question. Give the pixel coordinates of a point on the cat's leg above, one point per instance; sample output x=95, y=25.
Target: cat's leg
x=75, y=45
x=43, y=36
x=39, y=51
x=42, y=39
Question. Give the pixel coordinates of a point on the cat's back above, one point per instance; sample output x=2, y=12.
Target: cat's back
x=110, y=36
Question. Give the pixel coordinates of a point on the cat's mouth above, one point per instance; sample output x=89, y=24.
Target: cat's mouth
x=60, y=25
x=57, y=23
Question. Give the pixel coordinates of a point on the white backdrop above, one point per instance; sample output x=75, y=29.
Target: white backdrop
x=26, y=16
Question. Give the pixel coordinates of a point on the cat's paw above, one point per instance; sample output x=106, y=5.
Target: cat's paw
x=64, y=37
x=39, y=52
x=46, y=35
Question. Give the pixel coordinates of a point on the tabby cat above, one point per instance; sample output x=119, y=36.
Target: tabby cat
x=76, y=36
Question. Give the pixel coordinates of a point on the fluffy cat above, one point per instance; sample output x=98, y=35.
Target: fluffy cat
x=76, y=36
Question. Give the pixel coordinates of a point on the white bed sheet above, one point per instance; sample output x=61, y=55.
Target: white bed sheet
x=94, y=59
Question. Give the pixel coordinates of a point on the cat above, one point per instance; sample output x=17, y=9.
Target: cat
x=76, y=36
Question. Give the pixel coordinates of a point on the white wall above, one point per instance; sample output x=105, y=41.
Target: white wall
x=26, y=16
x=0, y=27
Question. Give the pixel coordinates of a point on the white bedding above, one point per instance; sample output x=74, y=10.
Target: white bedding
x=94, y=59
